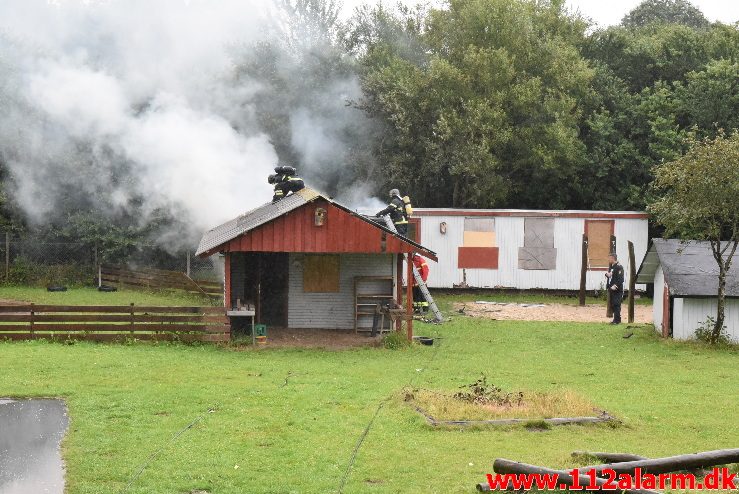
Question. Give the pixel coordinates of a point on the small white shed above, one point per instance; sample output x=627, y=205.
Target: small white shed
x=525, y=249
x=685, y=277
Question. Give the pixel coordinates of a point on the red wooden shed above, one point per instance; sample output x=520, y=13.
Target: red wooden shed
x=309, y=262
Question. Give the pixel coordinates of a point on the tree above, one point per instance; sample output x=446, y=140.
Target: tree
x=489, y=117
x=700, y=201
x=665, y=12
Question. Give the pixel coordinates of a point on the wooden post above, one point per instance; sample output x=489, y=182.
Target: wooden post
x=409, y=296
x=399, y=323
x=632, y=280
x=7, y=256
x=188, y=263
x=583, y=269
x=31, y=322
x=132, y=316
x=100, y=275
x=227, y=282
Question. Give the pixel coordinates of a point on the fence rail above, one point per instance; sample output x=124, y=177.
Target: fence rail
x=158, y=278
x=114, y=322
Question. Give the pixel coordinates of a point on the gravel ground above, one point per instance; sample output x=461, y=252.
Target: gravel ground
x=549, y=312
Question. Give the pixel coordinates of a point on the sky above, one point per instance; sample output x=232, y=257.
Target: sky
x=606, y=13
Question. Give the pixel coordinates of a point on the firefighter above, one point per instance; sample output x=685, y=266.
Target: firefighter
x=420, y=304
x=285, y=181
x=615, y=283
x=397, y=211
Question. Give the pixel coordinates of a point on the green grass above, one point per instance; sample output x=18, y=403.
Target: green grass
x=265, y=436
x=90, y=296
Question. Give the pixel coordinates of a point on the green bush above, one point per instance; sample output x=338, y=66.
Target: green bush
x=25, y=272
x=704, y=332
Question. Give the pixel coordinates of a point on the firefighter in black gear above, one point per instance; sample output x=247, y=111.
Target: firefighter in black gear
x=615, y=284
x=285, y=181
x=396, y=210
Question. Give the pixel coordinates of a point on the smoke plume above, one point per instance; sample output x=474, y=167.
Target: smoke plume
x=136, y=107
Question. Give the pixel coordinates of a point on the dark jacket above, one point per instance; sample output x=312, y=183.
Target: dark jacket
x=396, y=210
x=617, y=277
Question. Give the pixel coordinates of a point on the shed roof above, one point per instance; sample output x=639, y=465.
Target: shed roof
x=251, y=220
x=570, y=213
x=689, y=268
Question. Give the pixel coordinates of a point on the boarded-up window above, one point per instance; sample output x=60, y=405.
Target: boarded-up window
x=599, y=242
x=321, y=273
x=479, y=245
x=538, y=252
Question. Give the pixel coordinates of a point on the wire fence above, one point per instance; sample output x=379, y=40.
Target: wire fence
x=28, y=260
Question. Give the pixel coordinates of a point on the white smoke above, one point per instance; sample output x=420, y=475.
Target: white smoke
x=89, y=86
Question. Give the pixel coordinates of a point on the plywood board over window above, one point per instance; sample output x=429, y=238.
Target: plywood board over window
x=479, y=248
x=321, y=273
x=599, y=242
x=538, y=252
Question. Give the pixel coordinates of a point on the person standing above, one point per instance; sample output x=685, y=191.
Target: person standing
x=420, y=304
x=397, y=211
x=615, y=285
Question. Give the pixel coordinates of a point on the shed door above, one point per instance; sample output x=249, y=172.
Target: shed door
x=273, y=288
x=666, y=311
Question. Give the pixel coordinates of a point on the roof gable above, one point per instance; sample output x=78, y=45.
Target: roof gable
x=286, y=226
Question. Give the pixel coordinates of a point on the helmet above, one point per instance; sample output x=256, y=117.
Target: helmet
x=285, y=170
x=394, y=192
x=272, y=179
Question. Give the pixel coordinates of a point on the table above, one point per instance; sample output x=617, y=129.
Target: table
x=245, y=313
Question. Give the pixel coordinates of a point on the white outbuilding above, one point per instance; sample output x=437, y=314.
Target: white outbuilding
x=685, y=277
x=526, y=249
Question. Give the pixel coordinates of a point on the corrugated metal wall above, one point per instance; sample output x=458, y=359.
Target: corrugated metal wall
x=658, y=302
x=334, y=310
x=510, y=236
x=692, y=312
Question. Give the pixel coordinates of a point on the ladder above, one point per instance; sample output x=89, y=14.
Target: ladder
x=419, y=281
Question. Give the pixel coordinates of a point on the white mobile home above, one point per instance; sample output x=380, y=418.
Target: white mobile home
x=685, y=277
x=525, y=249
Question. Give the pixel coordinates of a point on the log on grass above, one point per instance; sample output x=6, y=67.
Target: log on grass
x=564, y=478
x=624, y=457
x=608, y=457
x=693, y=461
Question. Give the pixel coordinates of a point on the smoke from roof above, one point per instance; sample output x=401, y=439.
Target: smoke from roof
x=138, y=106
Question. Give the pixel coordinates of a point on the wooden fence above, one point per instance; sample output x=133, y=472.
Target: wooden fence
x=158, y=279
x=113, y=323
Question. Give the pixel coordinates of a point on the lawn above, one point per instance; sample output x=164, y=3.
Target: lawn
x=279, y=421
x=91, y=296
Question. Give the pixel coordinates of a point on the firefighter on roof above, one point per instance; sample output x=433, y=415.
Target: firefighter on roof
x=285, y=181
x=400, y=210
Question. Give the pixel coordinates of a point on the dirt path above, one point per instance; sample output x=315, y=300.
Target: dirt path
x=548, y=312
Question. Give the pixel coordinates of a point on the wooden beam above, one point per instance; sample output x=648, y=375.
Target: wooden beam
x=583, y=269
x=409, y=296
x=399, y=323
x=632, y=280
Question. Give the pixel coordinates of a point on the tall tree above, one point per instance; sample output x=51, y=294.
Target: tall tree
x=665, y=12
x=699, y=200
x=489, y=117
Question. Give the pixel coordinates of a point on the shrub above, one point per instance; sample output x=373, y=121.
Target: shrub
x=704, y=332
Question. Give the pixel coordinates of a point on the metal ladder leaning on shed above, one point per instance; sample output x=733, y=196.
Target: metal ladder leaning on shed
x=419, y=281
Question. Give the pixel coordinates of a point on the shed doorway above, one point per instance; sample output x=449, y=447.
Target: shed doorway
x=265, y=284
